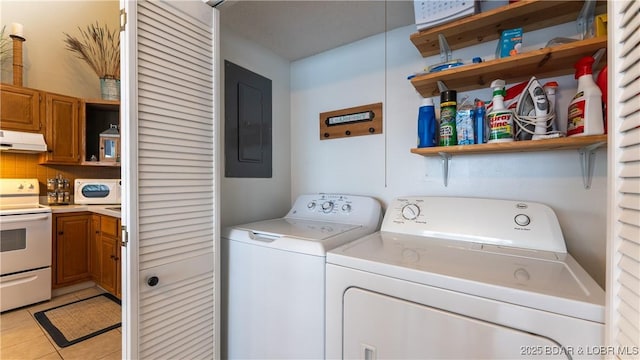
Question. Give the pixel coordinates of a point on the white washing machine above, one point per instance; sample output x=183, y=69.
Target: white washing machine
x=274, y=272
x=462, y=278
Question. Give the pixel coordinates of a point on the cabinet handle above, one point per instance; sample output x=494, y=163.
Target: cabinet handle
x=60, y=233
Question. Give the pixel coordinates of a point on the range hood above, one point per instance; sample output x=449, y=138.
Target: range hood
x=22, y=142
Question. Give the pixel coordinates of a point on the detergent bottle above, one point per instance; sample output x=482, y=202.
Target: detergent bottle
x=585, y=110
x=499, y=118
x=427, y=124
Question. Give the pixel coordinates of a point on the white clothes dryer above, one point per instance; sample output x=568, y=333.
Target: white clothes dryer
x=274, y=275
x=462, y=278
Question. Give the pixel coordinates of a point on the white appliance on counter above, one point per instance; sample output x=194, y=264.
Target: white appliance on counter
x=25, y=244
x=274, y=275
x=97, y=191
x=461, y=278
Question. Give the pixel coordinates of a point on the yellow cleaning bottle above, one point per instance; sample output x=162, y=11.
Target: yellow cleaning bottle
x=500, y=119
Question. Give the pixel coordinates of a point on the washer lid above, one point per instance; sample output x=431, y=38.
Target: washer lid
x=304, y=236
x=543, y=280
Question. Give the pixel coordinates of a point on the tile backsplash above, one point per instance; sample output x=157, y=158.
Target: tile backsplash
x=27, y=166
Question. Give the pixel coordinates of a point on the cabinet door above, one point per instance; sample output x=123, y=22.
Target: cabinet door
x=108, y=263
x=118, y=263
x=94, y=248
x=72, y=236
x=109, y=254
x=62, y=129
x=19, y=109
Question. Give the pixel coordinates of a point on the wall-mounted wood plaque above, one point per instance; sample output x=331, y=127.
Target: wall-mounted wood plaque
x=355, y=121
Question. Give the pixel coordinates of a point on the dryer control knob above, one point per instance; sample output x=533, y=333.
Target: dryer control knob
x=522, y=219
x=521, y=275
x=410, y=211
x=311, y=205
x=327, y=206
x=346, y=208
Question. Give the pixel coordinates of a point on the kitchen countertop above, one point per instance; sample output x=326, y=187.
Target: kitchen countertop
x=98, y=209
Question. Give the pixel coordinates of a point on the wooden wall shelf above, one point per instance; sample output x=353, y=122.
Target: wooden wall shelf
x=547, y=62
x=564, y=143
x=586, y=146
x=530, y=15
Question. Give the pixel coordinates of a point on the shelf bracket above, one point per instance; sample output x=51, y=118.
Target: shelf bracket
x=445, y=167
x=587, y=159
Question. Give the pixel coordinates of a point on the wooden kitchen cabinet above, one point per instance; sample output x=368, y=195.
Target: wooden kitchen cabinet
x=71, y=244
x=20, y=109
x=62, y=129
x=94, y=246
x=106, y=254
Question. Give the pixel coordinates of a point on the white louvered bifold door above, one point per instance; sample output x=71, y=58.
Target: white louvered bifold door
x=623, y=281
x=171, y=182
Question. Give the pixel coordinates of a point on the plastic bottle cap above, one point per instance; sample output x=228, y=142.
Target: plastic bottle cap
x=427, y=102
x=448, y=95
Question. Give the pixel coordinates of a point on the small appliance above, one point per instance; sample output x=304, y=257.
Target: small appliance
x=22, y=142
x=97, y=191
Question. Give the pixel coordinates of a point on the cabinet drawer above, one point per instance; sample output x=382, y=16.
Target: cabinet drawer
x=109, y=226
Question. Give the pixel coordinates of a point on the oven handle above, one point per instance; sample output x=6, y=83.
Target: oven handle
x=20, y=218
x=18, y=281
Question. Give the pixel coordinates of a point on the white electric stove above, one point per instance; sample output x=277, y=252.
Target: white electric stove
x=461, y=278
x=25, y=244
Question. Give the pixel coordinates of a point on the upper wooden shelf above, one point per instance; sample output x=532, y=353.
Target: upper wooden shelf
x=546, y=62
x=565, y=143
x=530, y=15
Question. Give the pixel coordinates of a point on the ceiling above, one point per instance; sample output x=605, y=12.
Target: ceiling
x=298, y=29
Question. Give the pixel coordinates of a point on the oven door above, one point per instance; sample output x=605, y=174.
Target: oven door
x=25, y=242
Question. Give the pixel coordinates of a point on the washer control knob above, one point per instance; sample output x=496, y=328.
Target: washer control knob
x=327, y=206
x=346, y=208
x=311, y=205
x=521, y=275
x=20, y=187
x=410, y=211
x=522, y=219
x=31, y=187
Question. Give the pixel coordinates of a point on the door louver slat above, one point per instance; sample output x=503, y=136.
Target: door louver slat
x=176, y=197
x=624, y=261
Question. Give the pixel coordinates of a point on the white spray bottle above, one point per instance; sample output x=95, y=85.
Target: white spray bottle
x=585, y=110
x=500, y=119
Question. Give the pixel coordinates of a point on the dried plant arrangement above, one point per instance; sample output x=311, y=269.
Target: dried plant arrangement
x=5, y=43
x=99, y=48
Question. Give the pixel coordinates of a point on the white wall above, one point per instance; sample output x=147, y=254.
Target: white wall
x=47, y=64
x=382, y=166
x=245, y=199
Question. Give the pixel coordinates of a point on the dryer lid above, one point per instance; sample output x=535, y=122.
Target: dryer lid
x=543, y=280
x=296, y=228
x=295, y=235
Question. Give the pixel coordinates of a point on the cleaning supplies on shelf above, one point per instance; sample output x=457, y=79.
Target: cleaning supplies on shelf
x=479, y=123
x=448, y=107
x=464, y=123
x=427, y=124
x=601, y=80
x=534, y=115
x=585, y=110
x=499, y=118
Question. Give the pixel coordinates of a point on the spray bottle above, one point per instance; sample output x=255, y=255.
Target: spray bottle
x=585, y=110
x=499, y=118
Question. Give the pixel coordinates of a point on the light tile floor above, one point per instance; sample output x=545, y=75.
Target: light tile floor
x=22, y=337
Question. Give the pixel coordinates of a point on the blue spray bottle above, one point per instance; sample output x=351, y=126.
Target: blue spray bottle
x=427, y=124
